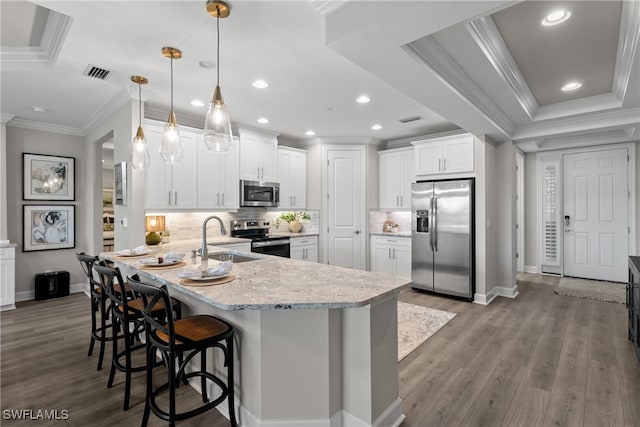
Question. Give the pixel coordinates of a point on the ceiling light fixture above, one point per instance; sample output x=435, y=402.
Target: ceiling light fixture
x=309, y=133
x=171, y=149
x=139, y=149
x=556, y=17
x=260, y=84
x=217, y=133
x=571, y=86
x=197, y=103
x=363, y=99
x=263, y=120
x=376, y=127
x=38, y=109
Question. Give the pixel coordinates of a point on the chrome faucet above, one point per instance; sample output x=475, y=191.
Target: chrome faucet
x=204, y=252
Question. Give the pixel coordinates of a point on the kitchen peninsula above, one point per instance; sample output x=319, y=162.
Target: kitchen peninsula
x=316, y=344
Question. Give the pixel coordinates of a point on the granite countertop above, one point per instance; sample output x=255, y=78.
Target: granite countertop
x=274, y=282
x=398, y=234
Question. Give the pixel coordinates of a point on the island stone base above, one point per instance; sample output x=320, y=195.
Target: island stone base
x=312, y=367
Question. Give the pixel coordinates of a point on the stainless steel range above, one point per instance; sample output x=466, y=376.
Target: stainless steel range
x=258, y=231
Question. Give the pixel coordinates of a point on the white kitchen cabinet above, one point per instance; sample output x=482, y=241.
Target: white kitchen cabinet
x=218, y=178
x=396, y=173
x=258, y=156
x=292, y=176
x=7, y=278
x=172, y=186
x=304, y=248
x=391, y=255
x=446, y=155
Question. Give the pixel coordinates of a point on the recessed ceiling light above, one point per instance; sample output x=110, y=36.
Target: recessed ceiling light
x=309, y=133
x=260, y=84
x=376, y=127
x=38, y=109
x=263, y=120
x=207, y=64
x=556, y=17
x=571, y=86
x=363, y=99
x=197, y=103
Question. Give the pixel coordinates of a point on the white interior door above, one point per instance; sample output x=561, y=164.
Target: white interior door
x=346, y=211
x=596, y=218
x=519, y=212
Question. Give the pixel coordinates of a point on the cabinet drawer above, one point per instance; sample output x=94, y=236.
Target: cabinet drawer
x=391, y=241
x=303, y=241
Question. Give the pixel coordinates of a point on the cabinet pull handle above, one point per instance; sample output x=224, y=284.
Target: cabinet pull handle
x=445, y=164
x=175, y=198
x=217, y=199
x=389, y=253
x=394, y=254
x=439, y=165
x=294, y=200
x=222, y=199
x=258, y=172
x=397, y=200
x=401, y=201
x=169, y=202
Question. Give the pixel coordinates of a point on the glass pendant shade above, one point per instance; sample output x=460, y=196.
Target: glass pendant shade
x=171, y=148
x=140, y=151
x=217, y=125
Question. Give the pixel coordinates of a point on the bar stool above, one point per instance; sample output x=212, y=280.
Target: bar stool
x=98, y=304
x=127, y=319
x=191, y=335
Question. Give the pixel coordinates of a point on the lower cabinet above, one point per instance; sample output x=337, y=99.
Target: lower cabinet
x=7, y=278
x=304, y=248
x=633, y=303
x=391, y=255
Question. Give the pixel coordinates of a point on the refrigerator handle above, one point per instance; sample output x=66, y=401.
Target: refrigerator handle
x=435, y=224
x=432, y=224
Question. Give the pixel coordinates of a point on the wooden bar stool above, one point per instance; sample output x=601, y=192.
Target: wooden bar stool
x=127, y=320
x=188, y=336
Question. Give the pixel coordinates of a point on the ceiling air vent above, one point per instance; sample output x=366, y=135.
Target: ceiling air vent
x=96, y=72
x=409, y=119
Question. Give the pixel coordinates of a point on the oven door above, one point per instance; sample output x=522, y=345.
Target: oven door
x=277, y=247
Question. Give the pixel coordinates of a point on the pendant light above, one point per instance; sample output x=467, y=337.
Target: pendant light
x=171, y=149
x=139, y=148
x=217, y=133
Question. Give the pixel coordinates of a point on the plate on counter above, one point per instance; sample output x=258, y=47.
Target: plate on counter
x=155, y=263
x=208, y=281
x=206, y=278
x=132, y=255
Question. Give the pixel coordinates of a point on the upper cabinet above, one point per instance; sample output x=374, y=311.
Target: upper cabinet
x=396, y=173
x=442, y=156
x=258, y=156
x=218, y=178
x=172, y=186
x=292, y=176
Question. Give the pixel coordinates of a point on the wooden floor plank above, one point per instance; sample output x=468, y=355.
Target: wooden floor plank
x=538, y=359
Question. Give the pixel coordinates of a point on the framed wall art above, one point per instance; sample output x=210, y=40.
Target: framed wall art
x=48, y=177
x=48, y=227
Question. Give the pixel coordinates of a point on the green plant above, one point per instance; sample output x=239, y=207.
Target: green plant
x=290, y=217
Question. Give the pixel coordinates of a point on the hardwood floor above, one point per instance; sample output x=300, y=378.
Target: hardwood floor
x=539, y=360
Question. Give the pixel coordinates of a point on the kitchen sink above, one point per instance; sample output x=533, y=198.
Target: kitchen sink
x=233, y=257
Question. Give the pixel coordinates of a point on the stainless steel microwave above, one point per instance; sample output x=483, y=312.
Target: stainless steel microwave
x=254, y=193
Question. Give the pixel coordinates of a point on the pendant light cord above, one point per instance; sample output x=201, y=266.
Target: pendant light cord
x=139, y=105
x=172, y=82
x=218, y=50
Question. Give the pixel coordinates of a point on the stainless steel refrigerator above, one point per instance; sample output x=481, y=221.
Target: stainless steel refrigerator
x=442, y=234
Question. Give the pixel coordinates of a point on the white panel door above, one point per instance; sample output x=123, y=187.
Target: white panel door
x=596, y=218
x=185, y=173
x=159, y=190
x=345, y=209
x=407, y=177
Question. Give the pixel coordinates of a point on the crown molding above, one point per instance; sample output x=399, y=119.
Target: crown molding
x=45, y=127
x=627, y=46
x=585, y=123
x=610, y=136
x=429, y=53
x=6, y=117
x=104, y=112
x=488, y=37
x=43, y=56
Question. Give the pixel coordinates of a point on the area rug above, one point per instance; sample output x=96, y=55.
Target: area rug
x=416, y=324
x=592, y=289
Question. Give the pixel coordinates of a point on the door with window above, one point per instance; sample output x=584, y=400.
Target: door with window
x=596, y=215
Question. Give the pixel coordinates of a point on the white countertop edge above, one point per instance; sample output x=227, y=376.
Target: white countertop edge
x=381, y=233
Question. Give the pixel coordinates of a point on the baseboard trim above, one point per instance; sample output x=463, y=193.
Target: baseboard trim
x=507, y=292
x=530, y=269
x=31, y=295
x=485, y=299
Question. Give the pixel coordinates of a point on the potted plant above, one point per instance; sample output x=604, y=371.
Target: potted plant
x=293, y=219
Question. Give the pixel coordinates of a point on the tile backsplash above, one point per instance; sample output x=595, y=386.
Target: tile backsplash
x=377, y=219
x=188, y=225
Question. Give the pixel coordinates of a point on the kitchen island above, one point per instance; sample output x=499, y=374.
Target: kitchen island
x=316, y=344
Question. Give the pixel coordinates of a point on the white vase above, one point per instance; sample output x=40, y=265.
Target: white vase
x=295, y=226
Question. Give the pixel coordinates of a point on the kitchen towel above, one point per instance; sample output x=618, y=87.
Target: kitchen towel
x=217, y=271
x=136, y=251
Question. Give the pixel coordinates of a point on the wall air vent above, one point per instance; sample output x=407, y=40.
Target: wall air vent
x=96, y=72
x=409, y=119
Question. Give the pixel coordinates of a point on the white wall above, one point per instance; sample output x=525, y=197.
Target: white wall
x=3, y=182
x=505, y=226
x=18, y=141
